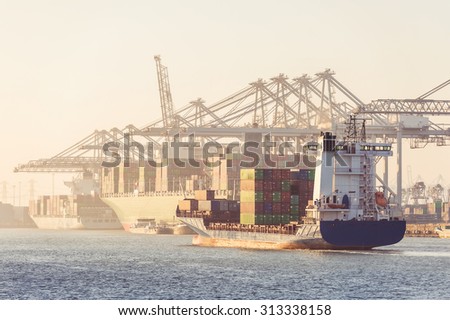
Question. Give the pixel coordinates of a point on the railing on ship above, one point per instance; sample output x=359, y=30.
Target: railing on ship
x=274, y=229
x=187, y=194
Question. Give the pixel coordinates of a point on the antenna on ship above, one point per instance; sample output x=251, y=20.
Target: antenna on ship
x=355, y=132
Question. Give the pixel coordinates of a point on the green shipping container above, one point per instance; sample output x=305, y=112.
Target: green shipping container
x=268, y=219
x=276, y=219
x=247, y=218
x=259, y=174
x=259, y=196
x=259, y=219
x=285, y=186
x=276, y=196
x=285, y=219
x=295, y=199
x=295, y=208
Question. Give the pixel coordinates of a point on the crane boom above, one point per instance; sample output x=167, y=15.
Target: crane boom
x=164, y=93
x=435, y=89
x=407, y=106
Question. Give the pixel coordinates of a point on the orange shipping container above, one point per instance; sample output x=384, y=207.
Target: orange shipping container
x=247, y=207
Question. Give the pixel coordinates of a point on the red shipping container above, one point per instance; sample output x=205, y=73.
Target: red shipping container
x=276, y=185
x=303, y=184
x=276, y=174
x=286, y=196
x=286, y=174
x=259, y=207
x=259, y=185
x=285, y=207
x=303, y=200
x=295, y=183
x=276, y=208
x=267, y=196
x=268, y=186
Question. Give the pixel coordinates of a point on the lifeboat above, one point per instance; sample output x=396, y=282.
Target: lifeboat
x=380, y=199
x=336, y=206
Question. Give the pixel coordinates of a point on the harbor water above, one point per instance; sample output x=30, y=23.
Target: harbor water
x=41, y=264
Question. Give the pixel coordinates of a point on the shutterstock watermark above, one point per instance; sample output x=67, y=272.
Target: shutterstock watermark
x=190, y=153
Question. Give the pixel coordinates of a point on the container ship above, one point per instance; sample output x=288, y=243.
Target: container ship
x=72, y=212
x=344, y=209
x=15, y=217
x=83, y=209
x=138, y=193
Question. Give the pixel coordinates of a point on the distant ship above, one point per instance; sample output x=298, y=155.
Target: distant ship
x=346, y=212
x=129, y=208
x=146, y=192
x=73, y=212
x=83, y=209
x=14, y=217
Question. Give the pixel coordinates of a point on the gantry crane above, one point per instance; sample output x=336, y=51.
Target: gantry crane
x=297, y=109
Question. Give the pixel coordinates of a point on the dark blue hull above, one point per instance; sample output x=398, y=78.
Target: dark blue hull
x=362, y=234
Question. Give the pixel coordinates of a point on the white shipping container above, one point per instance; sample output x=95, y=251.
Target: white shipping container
x=164, y=182
x=204, y=205
x=142, y=179
x=158, y=181
x=121, y=181
x=188, y=205
x=204, y=194
x=223, y=176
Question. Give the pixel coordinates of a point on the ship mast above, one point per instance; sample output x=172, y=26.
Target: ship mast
x=355, y=132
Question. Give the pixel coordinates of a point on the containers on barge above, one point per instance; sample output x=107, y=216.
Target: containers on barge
x=267, y=197
x=205, y=206
x=274, y=196
x=345, y=211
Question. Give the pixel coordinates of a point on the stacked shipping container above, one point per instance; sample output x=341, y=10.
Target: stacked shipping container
x=145, y=179
x=66, y=205
x=302, y=189
x=204, y=205
x=252, y=197
x=223, y=176
x=274, y=196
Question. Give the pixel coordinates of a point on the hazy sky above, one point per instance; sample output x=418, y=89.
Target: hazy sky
x=70, y=67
